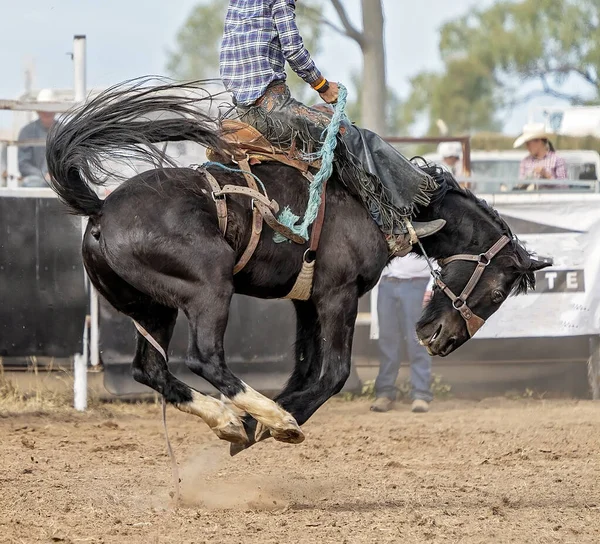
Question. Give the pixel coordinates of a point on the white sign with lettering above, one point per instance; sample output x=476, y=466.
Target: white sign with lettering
x=566, y=301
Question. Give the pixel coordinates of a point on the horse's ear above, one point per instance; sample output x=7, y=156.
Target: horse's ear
x=537, y=264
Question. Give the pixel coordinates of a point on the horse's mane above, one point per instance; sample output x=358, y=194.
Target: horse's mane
x=521, y=258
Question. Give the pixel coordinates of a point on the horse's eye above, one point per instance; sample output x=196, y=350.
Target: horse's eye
x=497, y=296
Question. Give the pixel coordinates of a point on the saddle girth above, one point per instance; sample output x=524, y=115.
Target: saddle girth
x=262, y=209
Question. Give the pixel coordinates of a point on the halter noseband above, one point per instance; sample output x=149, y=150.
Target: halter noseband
x=459, y=303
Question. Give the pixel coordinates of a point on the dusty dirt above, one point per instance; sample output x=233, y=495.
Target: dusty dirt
x=469, y=472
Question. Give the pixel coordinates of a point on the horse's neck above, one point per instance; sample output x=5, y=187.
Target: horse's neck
x=467, y=227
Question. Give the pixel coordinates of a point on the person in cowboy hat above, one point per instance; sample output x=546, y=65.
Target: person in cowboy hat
x=542, y=161
x=32, y=159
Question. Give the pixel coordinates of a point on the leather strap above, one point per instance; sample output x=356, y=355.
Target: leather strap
x=488, y=255
x=150, y=339
x=271, y=220
x=262, y=209
x=268, y=208
x=257, y=216
x=219, y=199
x=257, y=224
x=250, y=192
x=315, y=235
x=459, y=303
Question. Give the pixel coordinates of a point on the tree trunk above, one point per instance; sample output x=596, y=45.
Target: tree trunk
x=374, y=88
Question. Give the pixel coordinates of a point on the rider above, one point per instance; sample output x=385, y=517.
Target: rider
x=259, y=37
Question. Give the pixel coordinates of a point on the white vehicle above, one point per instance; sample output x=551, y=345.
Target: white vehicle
x=574, y=121
x=497, y=171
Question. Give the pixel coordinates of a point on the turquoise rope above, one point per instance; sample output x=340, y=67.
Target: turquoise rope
x=315, y=189
x=326, y=154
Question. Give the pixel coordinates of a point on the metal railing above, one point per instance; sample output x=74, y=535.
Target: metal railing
x=509, y=185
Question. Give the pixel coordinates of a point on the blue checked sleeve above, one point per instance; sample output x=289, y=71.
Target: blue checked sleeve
x=297, y=56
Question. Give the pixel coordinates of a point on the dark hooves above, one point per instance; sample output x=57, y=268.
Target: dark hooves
x=256, y=433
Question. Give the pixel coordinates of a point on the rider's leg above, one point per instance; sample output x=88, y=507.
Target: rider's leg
x=285, y=122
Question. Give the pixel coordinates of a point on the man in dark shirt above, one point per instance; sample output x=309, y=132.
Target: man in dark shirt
x=32, y=159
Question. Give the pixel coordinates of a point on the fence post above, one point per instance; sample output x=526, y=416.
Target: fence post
x=3, y=165
x=91, y=324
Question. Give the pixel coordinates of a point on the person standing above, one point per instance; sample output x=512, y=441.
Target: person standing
x=32, y=159
x=451, y=154
x=403, y=288
x=542, y=162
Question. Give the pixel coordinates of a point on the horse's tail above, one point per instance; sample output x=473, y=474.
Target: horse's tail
x=124, y=122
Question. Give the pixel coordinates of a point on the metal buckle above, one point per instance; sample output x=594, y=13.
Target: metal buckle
x=462, y=303
x=483, y=259
x=309, y=256
x=216, y=197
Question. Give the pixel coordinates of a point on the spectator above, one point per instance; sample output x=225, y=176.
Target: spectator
x=451, y=153
x=32, y=159
x=542, y=161
x=402, y=291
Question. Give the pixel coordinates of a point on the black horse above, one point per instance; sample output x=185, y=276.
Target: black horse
x=153, y=247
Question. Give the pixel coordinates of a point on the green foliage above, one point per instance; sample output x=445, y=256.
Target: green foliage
x=507, y=54
x=197, y=51
x=463, y=97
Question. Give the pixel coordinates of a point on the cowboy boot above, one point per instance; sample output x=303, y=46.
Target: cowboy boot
x=402, y=244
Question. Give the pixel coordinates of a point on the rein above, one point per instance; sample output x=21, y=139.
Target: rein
x=459, y=303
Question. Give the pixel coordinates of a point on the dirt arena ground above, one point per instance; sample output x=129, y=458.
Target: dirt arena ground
x=468, y=472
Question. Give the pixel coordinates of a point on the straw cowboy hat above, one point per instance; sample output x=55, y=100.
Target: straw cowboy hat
x=532, y=131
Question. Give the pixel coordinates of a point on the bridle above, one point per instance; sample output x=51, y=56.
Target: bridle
x=459, y=303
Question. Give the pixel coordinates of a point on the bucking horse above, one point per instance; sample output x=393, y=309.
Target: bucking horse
x=157, y=245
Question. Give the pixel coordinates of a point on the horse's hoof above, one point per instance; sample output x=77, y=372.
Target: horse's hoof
x=233, y=432
x=292, y=434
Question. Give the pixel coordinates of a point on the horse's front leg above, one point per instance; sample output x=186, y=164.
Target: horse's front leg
x=325, y=329
x=308, y=361
x=337, y=315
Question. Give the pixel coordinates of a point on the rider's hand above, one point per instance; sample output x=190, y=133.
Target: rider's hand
x=427, y=298
x=331, y=95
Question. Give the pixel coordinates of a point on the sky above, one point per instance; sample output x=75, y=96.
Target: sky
x=130, y=38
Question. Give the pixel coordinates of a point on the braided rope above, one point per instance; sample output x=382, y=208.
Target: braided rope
x=326, y=154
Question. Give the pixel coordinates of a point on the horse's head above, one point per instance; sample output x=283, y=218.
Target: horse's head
x=482, y=264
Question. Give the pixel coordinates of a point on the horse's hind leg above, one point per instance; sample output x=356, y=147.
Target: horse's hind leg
x=207, y=315
x=149, y=366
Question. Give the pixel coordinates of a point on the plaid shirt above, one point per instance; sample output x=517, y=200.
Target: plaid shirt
x=551, y=162
x=260, y=35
